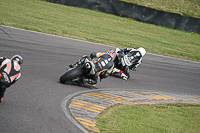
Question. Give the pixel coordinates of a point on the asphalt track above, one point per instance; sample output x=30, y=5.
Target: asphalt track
x=38, y=103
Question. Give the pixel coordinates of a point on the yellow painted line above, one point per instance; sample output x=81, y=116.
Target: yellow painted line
x=89, y=124
x=154, y=95
x=109, y=96
x=86, y=105
x=195, y=96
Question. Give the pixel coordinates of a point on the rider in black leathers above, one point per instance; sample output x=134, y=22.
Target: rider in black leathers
x=9, y=72
x=127, y=59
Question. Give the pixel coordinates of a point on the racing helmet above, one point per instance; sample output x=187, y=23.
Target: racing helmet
x=18, y=59
x=142, y=51
x=112, y=53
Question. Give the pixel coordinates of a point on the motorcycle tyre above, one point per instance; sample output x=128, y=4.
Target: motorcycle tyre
x=72, y=74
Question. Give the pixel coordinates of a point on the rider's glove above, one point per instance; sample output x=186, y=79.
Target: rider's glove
x=133, y=69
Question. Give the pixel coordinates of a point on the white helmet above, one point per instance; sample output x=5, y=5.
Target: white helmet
x=142, y=51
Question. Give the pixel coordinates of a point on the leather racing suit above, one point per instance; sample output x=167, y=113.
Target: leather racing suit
x=126, y=59
x=9, y=74
x=103, y=66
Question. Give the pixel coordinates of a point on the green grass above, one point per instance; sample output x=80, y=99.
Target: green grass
x=184, y=7
x=98, y=27
x=171, y=118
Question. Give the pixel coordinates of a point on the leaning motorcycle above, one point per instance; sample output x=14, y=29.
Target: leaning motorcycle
x=79, y=73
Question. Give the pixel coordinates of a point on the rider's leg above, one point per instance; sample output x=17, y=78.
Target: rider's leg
x=2, y=91
x=3, y=86
x=119, y=73
x=92, y=79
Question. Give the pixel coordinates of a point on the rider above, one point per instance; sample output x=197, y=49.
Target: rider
x=9, y=72
x=127, y=58
x=103, y=65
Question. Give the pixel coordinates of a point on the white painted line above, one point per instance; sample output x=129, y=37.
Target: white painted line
x=69, y=116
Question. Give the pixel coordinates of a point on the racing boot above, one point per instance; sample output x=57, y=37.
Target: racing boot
x=90, y=81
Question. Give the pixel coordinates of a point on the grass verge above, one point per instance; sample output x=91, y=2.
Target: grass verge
x=98, y=27
x=169, y=118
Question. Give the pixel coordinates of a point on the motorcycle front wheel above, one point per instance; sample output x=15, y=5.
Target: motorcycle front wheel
x=71, y=74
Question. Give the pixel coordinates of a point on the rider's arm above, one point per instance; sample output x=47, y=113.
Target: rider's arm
x=119, y=72
x=128, y=50
x=139, y=62
x=135, y=65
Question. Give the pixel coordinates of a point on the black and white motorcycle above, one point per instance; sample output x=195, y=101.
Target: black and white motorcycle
x=80, y=73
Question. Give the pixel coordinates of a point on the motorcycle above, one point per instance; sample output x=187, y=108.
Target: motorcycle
x=81, y=73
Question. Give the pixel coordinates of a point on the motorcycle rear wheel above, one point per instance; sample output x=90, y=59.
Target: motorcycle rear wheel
x=71, y=74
